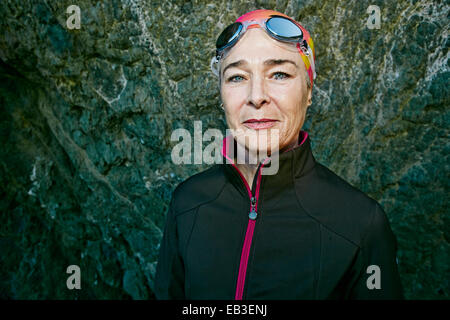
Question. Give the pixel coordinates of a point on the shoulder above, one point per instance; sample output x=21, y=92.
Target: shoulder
x=198, y=189
x=336, y=204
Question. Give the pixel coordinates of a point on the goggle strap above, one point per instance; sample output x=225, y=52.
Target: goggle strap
x=214, y=64
x=307, y=62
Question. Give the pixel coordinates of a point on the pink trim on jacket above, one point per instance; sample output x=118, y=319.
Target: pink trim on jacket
x=251, y=223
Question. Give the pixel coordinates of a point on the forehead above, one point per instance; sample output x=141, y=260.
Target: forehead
x=257, y=46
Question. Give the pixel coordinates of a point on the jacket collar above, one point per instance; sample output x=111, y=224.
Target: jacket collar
x=292, y=163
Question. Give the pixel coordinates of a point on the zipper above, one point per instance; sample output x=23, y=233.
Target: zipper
x=253, y=214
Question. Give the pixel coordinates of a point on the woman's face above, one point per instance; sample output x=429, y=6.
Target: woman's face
x=262, y=78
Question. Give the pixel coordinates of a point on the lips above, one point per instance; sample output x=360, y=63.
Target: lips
x=257, y=124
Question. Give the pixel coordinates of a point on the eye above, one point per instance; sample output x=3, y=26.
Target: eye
x=236, y=78
x=280, y=75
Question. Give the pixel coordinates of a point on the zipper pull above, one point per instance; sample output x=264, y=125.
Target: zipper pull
x=253, y=214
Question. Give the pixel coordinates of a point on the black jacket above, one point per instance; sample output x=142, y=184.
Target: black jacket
x=314, y=236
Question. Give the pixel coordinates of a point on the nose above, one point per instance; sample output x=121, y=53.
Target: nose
x=257, y=95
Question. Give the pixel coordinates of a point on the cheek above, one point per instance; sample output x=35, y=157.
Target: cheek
x=233, y=94
x=290, y=101
x=233, y=99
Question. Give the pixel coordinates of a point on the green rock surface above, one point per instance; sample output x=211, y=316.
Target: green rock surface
x=87, y=114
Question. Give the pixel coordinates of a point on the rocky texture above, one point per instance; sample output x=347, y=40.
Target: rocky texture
x=85, y=169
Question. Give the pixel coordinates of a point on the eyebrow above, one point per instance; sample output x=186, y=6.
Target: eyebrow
x=270, y=62
x=276, y=62
x=235, y=64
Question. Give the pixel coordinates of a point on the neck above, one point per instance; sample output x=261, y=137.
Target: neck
x=248, y=169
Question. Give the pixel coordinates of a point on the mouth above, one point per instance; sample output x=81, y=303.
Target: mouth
x=257, y=124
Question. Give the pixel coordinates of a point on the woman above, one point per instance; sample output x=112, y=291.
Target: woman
x=233, y=232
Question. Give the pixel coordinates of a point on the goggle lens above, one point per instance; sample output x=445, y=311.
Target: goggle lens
x=229, y=35
x=282, y=27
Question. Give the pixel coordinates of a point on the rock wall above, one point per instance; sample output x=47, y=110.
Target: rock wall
x=87, y=114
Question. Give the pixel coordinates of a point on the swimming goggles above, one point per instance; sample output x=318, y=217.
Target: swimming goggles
x=278, y=27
